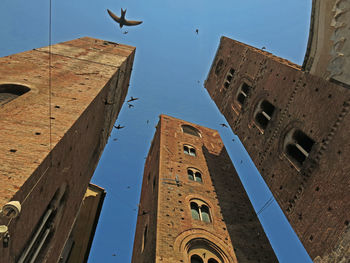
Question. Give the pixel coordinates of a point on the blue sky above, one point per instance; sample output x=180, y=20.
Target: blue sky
x=170, y=60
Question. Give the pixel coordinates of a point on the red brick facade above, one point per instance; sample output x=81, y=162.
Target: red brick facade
x=166, y=229
x=89, y=83
x=295, y=126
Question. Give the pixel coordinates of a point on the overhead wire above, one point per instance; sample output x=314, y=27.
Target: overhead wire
x=266, y=205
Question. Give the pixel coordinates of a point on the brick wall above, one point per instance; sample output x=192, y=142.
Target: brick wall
x=89, y=84
x=313, y=195
x=234, y=228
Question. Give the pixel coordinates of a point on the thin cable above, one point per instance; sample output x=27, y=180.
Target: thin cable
x=266, y=205
x=50, y=54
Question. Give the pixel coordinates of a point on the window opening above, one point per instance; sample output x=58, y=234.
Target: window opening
x=10, y=92
x=298, y=147
x=229, y=77
x=264, y=114
x=189, y=150
x=190, y=130
x=196, y=259
x=200, y=211
x=194, y=175
x=243, y=93
x=205, y=213
x=195, y=211
x=219, y=67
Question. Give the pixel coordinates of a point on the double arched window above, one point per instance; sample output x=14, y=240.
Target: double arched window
x=297, y=146
x=190, y=150
x=198, y=259
x=201, y=250
x=194, y=175
x=200, y=210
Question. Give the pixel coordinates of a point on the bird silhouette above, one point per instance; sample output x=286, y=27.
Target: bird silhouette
x=125, y=32
x=118, y=127
x=121, y=20
x=132, y=99
x=115, y=139
x=223, y=125
x=197, y=31
x=130, y=105
x=233, y=140
x=113, y=255
x=263, y=48
x=147, y=121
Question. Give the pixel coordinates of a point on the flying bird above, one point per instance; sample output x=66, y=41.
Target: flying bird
x=121, y=20
x=197, y=31
x=130, y=105
x=263, y=48
x=147, y=121
x=118, y=127
x=125, y=32
x=233, y=140
x=132, y=99
x=115, y=139
x=223, y=125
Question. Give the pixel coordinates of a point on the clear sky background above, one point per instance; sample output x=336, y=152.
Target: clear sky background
x=170, y=60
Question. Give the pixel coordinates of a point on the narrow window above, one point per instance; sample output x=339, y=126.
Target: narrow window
x=196, y=259
x=192, y=152
x=243, y=93
x=229, y=77
x=186, y=150
x=144, y=238
x=195, y=211
x=190, y=130
x=10, y=92
x=198, y=177
x=264, y=114
x=298, y=147
x=190, y=175
x=154, y=183
x=205, y=213
x=219, y=67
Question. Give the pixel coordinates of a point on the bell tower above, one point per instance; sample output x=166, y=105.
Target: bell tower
x=193, y=207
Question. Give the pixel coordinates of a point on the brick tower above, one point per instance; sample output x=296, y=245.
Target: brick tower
x=193, y=206
x=295, y=126
x=47, y=157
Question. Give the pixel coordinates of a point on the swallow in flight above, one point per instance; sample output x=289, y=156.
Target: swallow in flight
x=132, y=99
x=118, y=127
x=223, y=125
x=121, y=20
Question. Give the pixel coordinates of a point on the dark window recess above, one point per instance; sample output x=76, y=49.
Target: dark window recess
x=243, y=93
x=190, y=130
x=299, y=148
x=264, y=114
x=189, y=150
x=218, y=67
x=196, y=259
x=229, y=77
x=10, y=92
x=144, y=239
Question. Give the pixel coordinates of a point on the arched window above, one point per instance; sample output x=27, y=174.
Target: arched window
x=243, y=93
x=297, y=147
x=263, y=114
x=201, y=250
x=194, y=175
x=190, y=150
x=228, y=78
x=9, y=92
x=190, y=130
x=196, y=259
x=200, y=211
